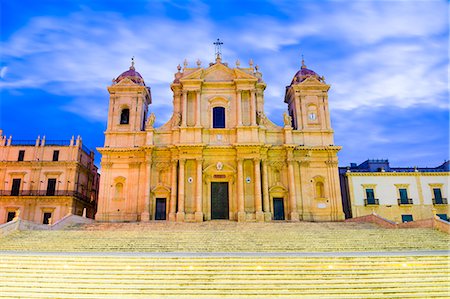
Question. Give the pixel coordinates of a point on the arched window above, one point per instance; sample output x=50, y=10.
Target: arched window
x=320, y=190
x=218, y=117
x=125, y=116
x=118, y=194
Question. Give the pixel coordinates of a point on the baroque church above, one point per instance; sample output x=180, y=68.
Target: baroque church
x=219, y=156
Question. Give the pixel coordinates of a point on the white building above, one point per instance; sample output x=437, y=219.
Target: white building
x=398, y=194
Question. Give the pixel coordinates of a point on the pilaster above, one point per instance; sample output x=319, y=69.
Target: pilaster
x=240, y=190
x=173, y=192
x=180, y=212
x=198, y=199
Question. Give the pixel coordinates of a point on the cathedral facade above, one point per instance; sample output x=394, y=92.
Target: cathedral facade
x=219, y=156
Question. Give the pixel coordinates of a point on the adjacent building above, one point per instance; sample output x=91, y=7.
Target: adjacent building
x=44, y=180
x=395, y=193
x=219, y=156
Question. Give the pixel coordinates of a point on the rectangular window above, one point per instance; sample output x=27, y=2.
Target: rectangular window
x=437, y=193
x=218, y=117
x=21, y=155
x=11, y=216
x=403, y=200
x=370, y=197
x=15, y=187
x=47, y=217
x=407, y=218
x=55, y=155
x=51, y=187
x=438, y=199
x=403, y=194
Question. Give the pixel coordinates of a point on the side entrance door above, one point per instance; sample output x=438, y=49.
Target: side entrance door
x=219, y=200
x=160, y=209
x=278, y=209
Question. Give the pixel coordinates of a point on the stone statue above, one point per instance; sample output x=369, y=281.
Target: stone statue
x=262, y=119
x=287, y=119
x=151, y=120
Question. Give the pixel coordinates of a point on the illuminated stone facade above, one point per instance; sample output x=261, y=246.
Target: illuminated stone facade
x=45, y=180
x=219, y=156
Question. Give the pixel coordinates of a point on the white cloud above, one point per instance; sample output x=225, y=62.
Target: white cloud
x=3, y=72
x=382, y=60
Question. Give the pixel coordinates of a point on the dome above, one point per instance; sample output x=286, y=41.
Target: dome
x=132, y=75
x=304, y=73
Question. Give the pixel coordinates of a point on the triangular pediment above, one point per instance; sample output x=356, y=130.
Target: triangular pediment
x=218, y=72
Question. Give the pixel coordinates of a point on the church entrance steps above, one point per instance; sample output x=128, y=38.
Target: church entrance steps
x=118, y=276
x=37, y=275
x=226, y=236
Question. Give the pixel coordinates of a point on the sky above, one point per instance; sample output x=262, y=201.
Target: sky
x=386, y=61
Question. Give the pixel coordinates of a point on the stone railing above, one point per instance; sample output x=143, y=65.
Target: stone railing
x=9, y=227
x=441, y=225
x=21, y=224
x=435, y=222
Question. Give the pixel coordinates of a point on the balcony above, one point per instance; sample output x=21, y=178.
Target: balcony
x=371, y=201
x=440, y=201
x=45, y=193
x=404, y=201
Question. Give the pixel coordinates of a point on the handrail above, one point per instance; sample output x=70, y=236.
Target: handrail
x=371, y=201
x=405, y=201
x=45, y=193
x=440, y=201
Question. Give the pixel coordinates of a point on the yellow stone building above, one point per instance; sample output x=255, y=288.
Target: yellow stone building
x=45, y=180
x=219, y=156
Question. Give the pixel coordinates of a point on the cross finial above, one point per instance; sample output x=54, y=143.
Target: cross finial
x=132, y=63
x=303, y=62
x=218, y=45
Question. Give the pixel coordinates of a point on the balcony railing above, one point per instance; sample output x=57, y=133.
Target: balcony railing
x=45, y=193
x=404, y=201
x=440, y=201
x=371, y=201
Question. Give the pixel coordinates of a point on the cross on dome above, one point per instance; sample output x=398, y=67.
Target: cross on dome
x=218, y=49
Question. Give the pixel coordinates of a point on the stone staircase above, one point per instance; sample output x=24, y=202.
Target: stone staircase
x=119, y=276
x=222, y=259
x=225, y=236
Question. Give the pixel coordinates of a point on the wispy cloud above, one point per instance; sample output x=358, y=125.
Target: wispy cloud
x=375, y=54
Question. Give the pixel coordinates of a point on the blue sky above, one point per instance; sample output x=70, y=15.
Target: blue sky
x=386, y=61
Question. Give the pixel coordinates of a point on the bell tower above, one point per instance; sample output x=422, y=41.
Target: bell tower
x=307, y=99
x=128, y=108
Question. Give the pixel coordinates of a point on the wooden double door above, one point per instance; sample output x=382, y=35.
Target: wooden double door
x=219, y=200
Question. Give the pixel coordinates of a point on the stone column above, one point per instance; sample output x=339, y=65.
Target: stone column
x=240, y=191
x=258, y=202
x=180, y=212
x=239, y=107
x=292, y=194
x=198, y=115
x=265, y=188
x=173, y=192
x=184, y=109
x=199, y=191
x=145, y=215
x=252, y=108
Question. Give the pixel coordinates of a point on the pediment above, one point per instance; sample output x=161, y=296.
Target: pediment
x=218, y=73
